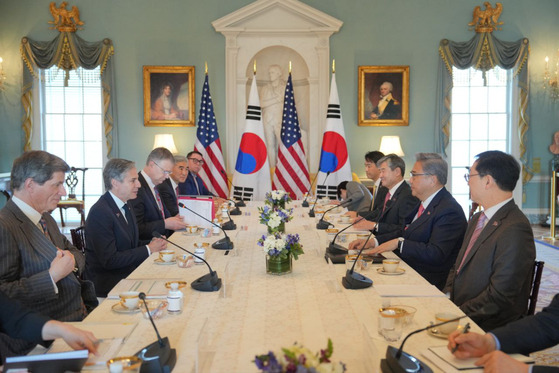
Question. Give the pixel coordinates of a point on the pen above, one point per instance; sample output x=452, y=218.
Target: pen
x=464, y=331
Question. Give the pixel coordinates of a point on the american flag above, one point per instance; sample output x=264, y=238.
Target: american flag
x=292, y=173
x=213, y=172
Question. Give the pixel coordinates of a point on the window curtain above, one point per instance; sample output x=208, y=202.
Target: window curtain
x=483, y=52
x=68, y=51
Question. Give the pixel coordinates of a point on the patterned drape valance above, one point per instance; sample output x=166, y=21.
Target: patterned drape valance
x=483, y=52
x=68, y=51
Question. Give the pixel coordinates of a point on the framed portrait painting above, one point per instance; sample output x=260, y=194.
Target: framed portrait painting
x=383, y=98
x=169, y=96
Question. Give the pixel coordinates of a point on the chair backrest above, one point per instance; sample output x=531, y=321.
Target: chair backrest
x=78, y=238
x=72, y=180
x=535, y=289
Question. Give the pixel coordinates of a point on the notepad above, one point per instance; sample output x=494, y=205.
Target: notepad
x=462, y=364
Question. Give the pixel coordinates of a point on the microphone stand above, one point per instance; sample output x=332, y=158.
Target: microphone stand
x=223, y=244
x=311, y=213
x=239, y=203
x=305, y=202
x=209, y=282
x=157, y=357
x=323, y=224
x=353, y=280
x=230, y=225
x=236, y=210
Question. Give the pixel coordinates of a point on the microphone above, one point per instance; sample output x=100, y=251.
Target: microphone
x=311, y=213
x=305, y=202
x=157, y=356
x=323, y=224
x=236, y=210
x=353, y=280
x=230, y=225
x=222, y=244
x=209, y=282
x=398, y=361
x=239, y=203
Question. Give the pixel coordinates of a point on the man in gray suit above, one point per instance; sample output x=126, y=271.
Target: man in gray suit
x=38, y=265
x=495, y=262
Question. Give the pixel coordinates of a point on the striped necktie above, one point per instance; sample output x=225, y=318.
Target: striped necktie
x=159, y=203
x=479, y=227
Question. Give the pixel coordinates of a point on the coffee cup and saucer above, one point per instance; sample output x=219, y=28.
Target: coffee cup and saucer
x=166, y=257
x=129, y=302
x=391, y=267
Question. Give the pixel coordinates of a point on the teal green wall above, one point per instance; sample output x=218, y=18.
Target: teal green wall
x=179, y=32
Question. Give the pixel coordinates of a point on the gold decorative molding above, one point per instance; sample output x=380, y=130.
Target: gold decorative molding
x=486, y=20
x=65, y=20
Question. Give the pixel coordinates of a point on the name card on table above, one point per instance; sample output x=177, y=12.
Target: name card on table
x=202, y=205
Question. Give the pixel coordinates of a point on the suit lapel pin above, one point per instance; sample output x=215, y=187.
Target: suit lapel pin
x=118, y=214
x=495, y=223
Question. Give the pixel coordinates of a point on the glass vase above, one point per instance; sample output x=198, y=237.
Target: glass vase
x=275, y=265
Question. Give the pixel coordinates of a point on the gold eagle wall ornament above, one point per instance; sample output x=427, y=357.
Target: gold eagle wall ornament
x=65, y=20
x=486, y=20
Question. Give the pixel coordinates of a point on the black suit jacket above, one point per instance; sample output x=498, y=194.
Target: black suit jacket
x=533, y=333
x=398, y=208
x=148, y=214
x=433, y=240
x=168, y=197
x=113, y=250
x=497, y=269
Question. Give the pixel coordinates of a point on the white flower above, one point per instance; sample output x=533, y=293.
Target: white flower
x=274, y=221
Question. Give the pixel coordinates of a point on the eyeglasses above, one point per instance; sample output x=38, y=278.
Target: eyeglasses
x=467, y=177
x=197, y=161
x=413, y=174
x=162, y=169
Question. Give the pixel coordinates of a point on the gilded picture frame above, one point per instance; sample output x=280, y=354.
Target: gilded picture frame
x=392, y=109
x=169, y=96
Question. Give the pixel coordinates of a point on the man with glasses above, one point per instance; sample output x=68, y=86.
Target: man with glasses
x=435, y=228
x=148, y=207
x=193, y=185
x=496, y=259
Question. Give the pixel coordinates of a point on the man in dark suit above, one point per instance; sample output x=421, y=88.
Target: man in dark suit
x=169, y=189
x=38, y=265
x=436, y=227
x=497, y=256
x=193, y=185
x=148, y=207
x=113, y=250
x=524, y=336
x=395, y=202
x=18, y=321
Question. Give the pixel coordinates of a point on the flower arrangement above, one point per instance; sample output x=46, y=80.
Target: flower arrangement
x=275, y=218
x=298, y=359
x=277, y=198
x=277, y=245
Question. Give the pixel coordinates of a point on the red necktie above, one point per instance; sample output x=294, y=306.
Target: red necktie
x=386, y=199
x=159, y=204
x=479, y=227
x=420, y=211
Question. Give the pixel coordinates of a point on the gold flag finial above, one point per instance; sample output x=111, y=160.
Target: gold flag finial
x=206, y=67
x=333, y=66
x=290, y=67
x=254, y=67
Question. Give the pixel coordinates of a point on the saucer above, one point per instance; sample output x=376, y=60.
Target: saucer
x=119, y=308
x=163, y=263
x=192, y=234
x=438, y=334
x=399, y=271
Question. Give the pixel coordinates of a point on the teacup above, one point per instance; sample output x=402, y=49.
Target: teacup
x=362, y=236
x=345, y=219
x=445, y=316
x=390, y=265
x=191, y=228
x=167, y=255
x=130, y=299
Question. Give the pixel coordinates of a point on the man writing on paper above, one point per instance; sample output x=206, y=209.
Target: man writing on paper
x=38, y=265
x=113, y=250
x=435, y=228
x=497, y=256
x=527, y=335
x=169, y=189
x=148, y=207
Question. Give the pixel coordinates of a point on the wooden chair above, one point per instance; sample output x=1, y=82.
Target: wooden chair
x=536, y=279
x=71, y=202
x=78, y=238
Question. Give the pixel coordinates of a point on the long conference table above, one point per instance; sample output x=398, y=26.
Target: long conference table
x=255, y=312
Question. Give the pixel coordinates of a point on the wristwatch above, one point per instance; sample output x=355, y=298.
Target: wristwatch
x=400, y=243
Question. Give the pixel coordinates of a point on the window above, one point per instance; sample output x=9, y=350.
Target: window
x=71, y=119
x=480, y=121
